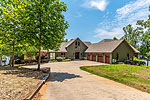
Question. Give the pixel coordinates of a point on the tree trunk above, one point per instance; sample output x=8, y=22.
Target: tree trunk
x=10, y=60
x=13, y=60
x=147, y=61
x=13, y=54
x=0, y=61
x=40, y=36
x=39, y=60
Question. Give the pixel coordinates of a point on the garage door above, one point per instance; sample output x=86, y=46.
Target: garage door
x=107, y=58
x=100, y=57
x=88, y=57
x=94, y=57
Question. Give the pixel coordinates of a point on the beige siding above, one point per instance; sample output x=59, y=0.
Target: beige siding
x=71, y=51
x=123, y=50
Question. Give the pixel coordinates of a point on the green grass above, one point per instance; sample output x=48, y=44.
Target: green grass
x=131, y=75
x=9, y=67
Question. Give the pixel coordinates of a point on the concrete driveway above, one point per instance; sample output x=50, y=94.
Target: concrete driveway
x=68, y=82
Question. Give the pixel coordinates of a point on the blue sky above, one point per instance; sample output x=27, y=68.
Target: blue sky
x=94, y=20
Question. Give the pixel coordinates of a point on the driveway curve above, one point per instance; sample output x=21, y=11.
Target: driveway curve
x=68, y=82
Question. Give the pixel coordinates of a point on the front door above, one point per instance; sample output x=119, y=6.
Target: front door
x=77, y=55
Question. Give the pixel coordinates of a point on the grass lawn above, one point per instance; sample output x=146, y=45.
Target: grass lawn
x=132, y=75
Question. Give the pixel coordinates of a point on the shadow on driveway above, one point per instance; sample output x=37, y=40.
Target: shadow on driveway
x=60, y=77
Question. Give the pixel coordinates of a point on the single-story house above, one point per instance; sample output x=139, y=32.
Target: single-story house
x=106, y=51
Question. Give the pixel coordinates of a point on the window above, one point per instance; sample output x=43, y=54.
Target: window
x=128, y=56
x=78, y=43
x=117, y=57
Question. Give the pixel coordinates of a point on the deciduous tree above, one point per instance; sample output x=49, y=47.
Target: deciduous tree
x=12, y=14
x=46, y=24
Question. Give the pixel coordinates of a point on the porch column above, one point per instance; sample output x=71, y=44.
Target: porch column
x=91, y=56
x=96, y=57
x=103, y=58
x=111, y=58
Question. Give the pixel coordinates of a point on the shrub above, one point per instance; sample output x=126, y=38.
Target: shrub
x=59, y=59
x=137, y=61
x=66, y=60
x=53, y=61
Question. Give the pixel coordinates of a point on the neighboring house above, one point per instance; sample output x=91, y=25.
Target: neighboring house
x=106, y=51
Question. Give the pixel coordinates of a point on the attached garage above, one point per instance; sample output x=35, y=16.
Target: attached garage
x=100, y=58
x=107, y=58
x=93, y=57
x=111, y=51
x=88, y=56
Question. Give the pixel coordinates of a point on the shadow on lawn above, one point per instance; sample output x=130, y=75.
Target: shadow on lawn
x=60, y=77
x=24, y=72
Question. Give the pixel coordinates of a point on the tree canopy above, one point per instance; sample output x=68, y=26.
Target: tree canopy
x=139, y=36
x=12, y=16
x=35, y=23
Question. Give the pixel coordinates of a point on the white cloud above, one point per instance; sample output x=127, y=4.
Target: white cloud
x=98, y=4
x=104, y=33
x=133, y=8
x=128, y=14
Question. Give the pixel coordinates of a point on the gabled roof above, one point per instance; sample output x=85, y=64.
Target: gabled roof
x=107, y=46
x=64, y=45
x=62, y=48
x=87, y=43
x=70, y=42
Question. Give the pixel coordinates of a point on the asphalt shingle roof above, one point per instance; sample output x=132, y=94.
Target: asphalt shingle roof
x=106, y=46
x=87, y=43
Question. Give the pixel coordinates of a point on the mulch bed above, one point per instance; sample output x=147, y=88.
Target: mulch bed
x=17, y=83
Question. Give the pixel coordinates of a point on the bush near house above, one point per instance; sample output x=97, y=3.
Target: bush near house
x=137, y=61
x=66, y=60
x=131, y=75
x=60, y=60
x=53, y=61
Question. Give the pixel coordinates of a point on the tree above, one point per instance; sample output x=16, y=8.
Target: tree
x=46, y=24
x=115, y=38
x=12, y=16
x=65, y=40
x=145, y=37
x=132, y=35
x=148, y=57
